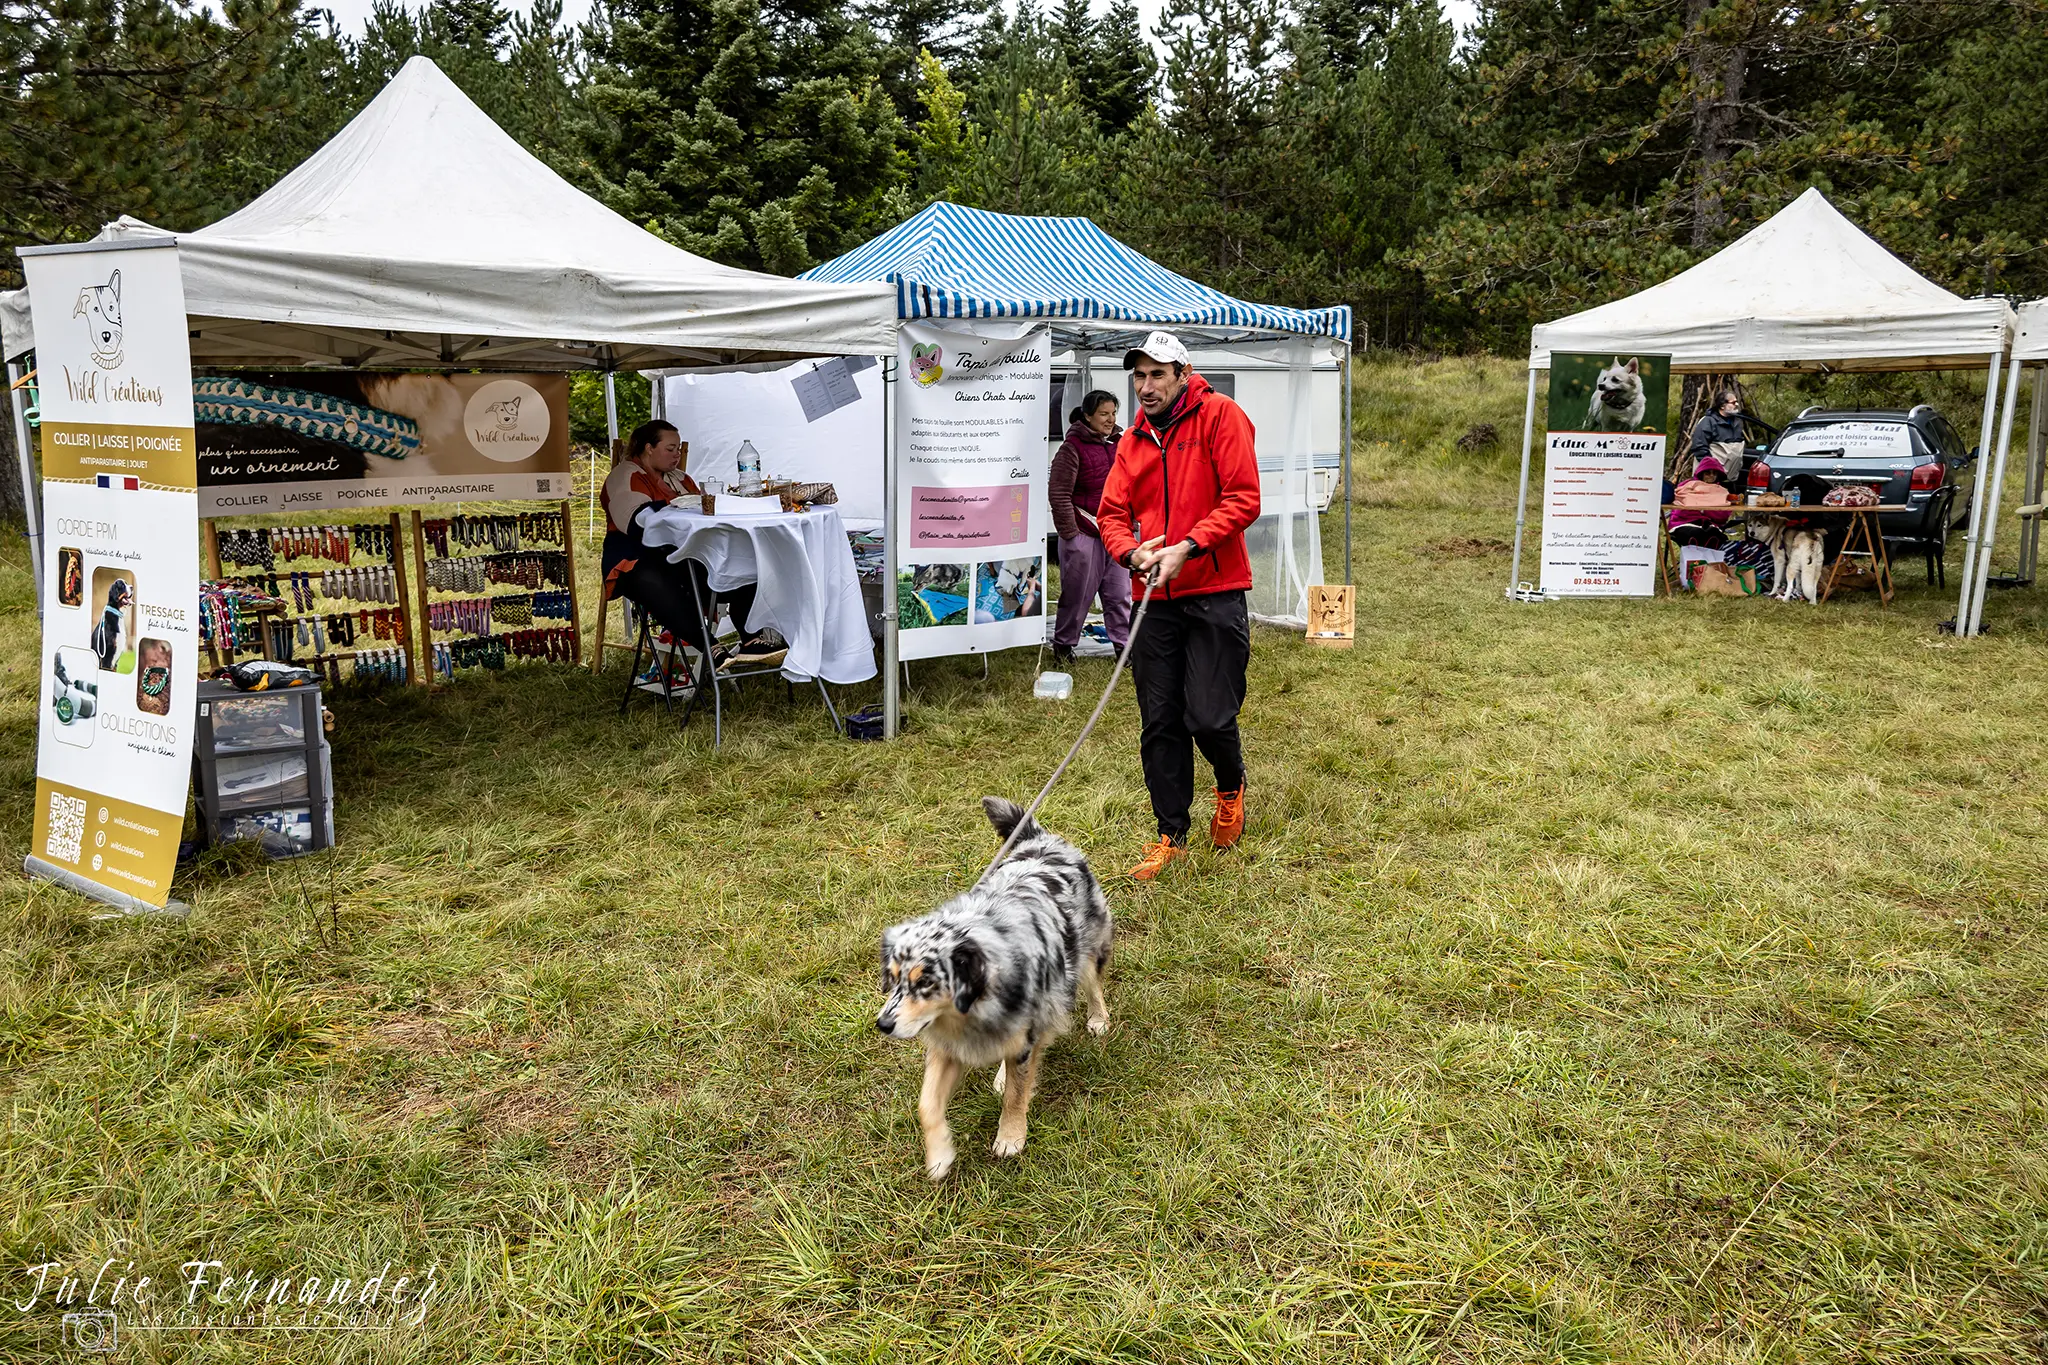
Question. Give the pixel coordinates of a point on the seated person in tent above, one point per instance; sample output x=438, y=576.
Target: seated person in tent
x=650, y=477
x=1692, y=520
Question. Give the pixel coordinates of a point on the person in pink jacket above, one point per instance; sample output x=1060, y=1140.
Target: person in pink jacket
x=1700, y=525
x=1074, y=487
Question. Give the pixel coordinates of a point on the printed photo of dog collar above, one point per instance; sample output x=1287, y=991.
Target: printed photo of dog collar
x=237, y=402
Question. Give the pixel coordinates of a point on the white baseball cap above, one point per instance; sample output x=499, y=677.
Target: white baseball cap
x=1161, y=346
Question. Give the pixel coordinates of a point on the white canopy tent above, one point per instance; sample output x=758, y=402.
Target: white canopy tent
x=422, y=236
x=2029, y=349
x=1807, y=290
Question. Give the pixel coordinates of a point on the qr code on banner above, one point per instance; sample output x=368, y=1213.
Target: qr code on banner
x=67, y=827
x=542, y=485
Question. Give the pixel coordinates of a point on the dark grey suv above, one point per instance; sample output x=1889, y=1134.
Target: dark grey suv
x=1908, y=457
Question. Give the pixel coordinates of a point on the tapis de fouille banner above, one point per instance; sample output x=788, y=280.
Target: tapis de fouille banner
x=120, y=655
x=971, y=473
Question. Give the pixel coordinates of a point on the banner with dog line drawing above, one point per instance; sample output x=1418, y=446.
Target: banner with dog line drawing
x=120, y=654
x=1603, y=474
x=970, y=440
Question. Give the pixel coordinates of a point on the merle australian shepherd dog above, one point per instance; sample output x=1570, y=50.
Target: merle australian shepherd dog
x=991, y=977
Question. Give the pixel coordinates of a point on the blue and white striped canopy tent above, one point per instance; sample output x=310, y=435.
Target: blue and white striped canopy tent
x=955, y=262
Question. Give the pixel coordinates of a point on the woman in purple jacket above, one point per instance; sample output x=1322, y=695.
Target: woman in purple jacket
x=1078, y=471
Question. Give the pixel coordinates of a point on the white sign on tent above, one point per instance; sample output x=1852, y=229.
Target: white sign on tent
x=970, y=437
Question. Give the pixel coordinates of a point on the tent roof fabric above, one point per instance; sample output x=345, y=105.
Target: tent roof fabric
x=955, y=262
x=423, y=235
x=2033, y=338
x=1805, y=290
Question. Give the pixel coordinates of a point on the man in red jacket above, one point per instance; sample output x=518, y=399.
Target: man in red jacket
x=1184, y=487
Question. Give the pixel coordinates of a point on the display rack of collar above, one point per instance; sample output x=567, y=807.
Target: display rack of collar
x=328, y=597
x=497, y=589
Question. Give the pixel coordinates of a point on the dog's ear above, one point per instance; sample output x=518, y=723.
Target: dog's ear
x=1633, y=366
x=888, y=952
x=970, y=974
x=84, y=295
x=114, y=286
x=1006, y=815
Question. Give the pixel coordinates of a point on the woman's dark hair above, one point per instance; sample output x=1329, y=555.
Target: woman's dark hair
x=1094, y=399
x=645, y=435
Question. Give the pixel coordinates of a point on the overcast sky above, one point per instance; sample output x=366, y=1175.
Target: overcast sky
x=351, y=14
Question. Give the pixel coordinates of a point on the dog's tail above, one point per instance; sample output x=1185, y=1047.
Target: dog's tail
x=1006, y=816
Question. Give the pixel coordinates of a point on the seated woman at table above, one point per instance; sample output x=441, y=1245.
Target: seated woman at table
x=647, y=479
x=1700, y=525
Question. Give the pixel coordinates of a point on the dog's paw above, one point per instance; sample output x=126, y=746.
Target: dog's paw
x=1002, y=1069
x=937, y=1165
x=1008, y=1146
x=1098, y=1024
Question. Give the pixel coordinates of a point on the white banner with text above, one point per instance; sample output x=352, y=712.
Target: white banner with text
x=970, y=479
x=120, y=657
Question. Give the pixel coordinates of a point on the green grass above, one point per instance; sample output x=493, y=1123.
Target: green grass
x=1644, y=981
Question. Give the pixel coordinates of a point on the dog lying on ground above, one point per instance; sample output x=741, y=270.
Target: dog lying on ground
x=991, y=976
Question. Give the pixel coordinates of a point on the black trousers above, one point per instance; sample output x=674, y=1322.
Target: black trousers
x=663, y=591
x=1189, y=662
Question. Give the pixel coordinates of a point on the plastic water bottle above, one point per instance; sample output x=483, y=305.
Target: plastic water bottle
x=1053, y=686
x=750, y=467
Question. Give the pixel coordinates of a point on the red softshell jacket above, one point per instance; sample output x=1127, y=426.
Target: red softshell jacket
x=1199, y=479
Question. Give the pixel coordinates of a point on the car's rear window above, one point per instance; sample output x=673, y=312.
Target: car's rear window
x=1868, y=440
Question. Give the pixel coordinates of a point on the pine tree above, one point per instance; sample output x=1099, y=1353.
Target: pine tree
x=1611, y=143
x=755, y=132
x=1202, y=185
x=110, y=103
x=1117, y=72
x=1035, y=146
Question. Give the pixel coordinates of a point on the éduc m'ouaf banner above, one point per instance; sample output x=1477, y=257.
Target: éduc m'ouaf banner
x=1603, y=474
x=970, y=440
x=303, y=442
x=120, y=656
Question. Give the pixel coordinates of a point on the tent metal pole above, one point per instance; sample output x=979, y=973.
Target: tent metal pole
x=2012, y=392
x=611, y=440
x=24, y=454
x=1977, y=493
x=1522, y=496
x=892, y=695
x=1349, y=577
x=2037, y=448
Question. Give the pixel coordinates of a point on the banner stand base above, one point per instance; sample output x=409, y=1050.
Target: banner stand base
x=121, y=901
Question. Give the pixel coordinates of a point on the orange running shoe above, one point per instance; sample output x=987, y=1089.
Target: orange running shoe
x=1157, y=856
x=1228, y=822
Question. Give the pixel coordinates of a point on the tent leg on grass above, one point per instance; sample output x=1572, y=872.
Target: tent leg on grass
x=24, y=454
x=892, y=695
x=2012, y=393
x=1522, y=493
x=2037, y=448
x=1977, y=493
x=1349, y=570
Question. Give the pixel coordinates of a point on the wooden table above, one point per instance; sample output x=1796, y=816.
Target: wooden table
x=1862, y=522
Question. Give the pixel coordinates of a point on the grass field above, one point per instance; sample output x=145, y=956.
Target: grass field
x=1636, y=981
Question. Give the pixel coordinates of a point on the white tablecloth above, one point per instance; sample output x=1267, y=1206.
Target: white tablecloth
x=809, y=592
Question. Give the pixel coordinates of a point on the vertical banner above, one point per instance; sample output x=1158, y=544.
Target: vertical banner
x=972, y=460
x=120, y=655
x=1603, y=474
